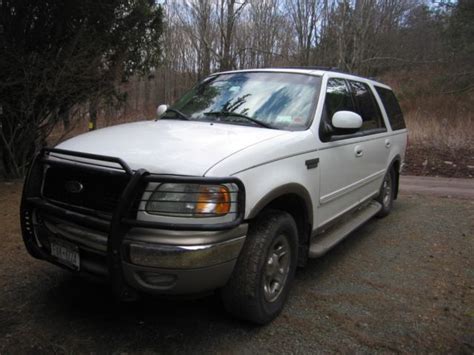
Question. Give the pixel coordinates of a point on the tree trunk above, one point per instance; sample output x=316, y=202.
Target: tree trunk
x=18, y=146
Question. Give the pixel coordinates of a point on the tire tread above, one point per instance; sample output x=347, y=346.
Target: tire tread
x=240, y=295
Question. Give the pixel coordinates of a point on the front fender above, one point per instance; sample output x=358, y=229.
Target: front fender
x=287, y=189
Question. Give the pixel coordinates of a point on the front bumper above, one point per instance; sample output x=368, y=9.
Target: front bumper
x=133, y=255
x=156, y=261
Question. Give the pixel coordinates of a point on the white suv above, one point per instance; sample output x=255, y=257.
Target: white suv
x=243, y=179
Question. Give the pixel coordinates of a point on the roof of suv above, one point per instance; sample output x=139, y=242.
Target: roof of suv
x=319, y=71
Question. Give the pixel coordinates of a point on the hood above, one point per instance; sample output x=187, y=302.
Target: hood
x=170, y=146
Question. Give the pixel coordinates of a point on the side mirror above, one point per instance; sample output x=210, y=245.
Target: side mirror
x=160, y=111
x=346, y=121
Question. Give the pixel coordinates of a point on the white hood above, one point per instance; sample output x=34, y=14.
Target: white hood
x=170, y=146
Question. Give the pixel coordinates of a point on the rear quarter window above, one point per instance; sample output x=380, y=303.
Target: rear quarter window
x=394, y=112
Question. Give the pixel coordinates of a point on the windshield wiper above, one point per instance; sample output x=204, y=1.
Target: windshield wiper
x=235, y=114
x=181, y=115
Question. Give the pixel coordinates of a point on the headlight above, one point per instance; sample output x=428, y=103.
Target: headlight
x=192, y=200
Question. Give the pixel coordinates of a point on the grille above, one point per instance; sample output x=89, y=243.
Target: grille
x=76, y=186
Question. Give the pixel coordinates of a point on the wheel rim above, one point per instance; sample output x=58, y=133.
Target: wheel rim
x=276, y=269
x=387, y=190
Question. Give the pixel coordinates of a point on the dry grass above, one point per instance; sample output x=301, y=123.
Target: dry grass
x=436, y=115
x=440, y=122
x=434, y=129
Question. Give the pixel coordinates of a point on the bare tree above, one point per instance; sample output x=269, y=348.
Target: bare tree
x=229, y=11
x=305, y=15
x=368, y=37
x=266, y=22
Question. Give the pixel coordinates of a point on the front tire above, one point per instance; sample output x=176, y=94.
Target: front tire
x=265, y=269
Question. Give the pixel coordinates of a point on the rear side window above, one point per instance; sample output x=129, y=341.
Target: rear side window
x=394, y=112
x=366, y=106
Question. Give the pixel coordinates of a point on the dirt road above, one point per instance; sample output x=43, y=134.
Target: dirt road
x=401, y=284
x=437, y=186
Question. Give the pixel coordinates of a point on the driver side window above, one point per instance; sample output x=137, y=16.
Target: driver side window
x=338, y=98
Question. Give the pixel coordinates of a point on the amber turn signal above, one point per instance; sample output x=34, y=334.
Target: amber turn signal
x=213, y=199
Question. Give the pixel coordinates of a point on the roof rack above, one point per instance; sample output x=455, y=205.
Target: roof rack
x=335, y=69
x=332, y=69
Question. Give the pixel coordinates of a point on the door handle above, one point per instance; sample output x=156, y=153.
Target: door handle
x=387, y=143
x=358, y=151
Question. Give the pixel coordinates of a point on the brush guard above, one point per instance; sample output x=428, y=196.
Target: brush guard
x=121, y=219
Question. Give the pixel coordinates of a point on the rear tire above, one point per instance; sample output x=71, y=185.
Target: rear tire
x=387, y=193
x=260, y=283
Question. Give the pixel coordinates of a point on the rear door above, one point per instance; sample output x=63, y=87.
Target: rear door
x=375, y=143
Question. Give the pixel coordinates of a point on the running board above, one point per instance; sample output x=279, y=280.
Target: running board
x=323, y=242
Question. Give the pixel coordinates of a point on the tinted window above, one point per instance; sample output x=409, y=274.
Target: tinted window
x=338, y=97
x=366, y=106
x=394, y=112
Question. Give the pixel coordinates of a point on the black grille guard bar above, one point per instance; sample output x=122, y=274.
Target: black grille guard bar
x=120, y=222
x=96, y=157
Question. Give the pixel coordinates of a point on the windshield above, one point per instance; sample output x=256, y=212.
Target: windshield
x=272, y=100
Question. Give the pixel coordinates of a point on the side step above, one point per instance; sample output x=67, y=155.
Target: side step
x=323, y=242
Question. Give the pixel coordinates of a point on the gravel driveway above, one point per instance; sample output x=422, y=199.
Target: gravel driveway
x=401, y=284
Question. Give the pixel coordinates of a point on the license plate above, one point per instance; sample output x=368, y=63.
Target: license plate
x=66, y=253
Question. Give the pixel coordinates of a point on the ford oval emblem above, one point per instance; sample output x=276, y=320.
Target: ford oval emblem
x=74, y=186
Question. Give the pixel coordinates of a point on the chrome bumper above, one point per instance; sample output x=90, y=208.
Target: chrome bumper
x=184, y=256
x=157, y=260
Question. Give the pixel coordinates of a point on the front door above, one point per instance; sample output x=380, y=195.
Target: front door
x=352, y=166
